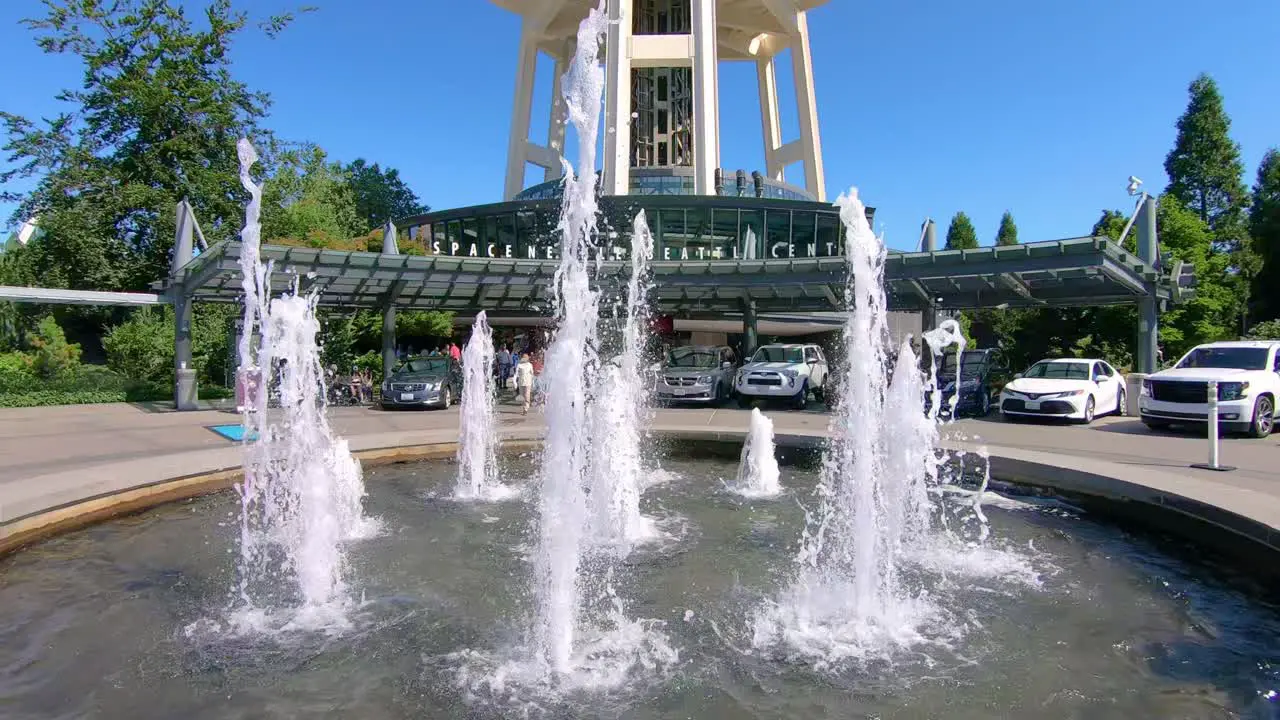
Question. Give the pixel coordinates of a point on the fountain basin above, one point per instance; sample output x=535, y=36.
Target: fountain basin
x=1093, y=619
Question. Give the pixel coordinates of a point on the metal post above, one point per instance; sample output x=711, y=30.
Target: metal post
x=1148, y=319
x=185, y=390
x=750, y=335
x=1212, y=399
x=390, y=247
x=929, y=243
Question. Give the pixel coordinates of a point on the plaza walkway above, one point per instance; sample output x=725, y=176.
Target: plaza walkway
x=51, y=457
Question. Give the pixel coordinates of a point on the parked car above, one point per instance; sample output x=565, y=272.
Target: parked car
x=1248, y=376
x=423, y=382
x=788, y=372
x=1072, y=388
x=696, y=374
x=969, y=391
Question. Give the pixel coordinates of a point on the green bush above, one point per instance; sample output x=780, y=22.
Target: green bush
x=39, y=398
x=1269, y=330
x=51, y=355
x=15, y=372
x=141, y=348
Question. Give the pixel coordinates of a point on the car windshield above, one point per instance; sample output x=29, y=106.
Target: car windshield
x=1059, y=371
x=1242, y=358
x=778, y=354
x=687, y=357
x=971, y=365
x=424, y=365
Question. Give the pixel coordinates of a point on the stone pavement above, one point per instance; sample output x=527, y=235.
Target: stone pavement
x=55, y=456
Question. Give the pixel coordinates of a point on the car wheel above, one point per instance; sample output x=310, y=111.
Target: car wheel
x=985, y=410
x=1264, y=417
x=801, y=399
x=1122, y=404
x=1089, y=408
x=820, y=394
x=447, y=398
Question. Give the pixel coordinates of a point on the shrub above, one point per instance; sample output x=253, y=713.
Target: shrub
x=1269, y=330
x=51, y=355
x=141, y=348
x=15, y=372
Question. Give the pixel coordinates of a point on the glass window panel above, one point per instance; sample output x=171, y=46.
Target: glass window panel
x=662, y=90
x=828, y=233
x=471, y=238
x=724, y=232
x=526, y=239
x=802, y=234
x=779, y=235
x=506, y=234
x=750, y=237
x=439, y=243
x=455, y=238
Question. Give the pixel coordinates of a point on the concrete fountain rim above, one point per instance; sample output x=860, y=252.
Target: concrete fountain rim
x=1231, y=518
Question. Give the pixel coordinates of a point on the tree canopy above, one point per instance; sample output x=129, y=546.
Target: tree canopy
x=1008, y=232
x=1264, y=227
x=960, y=234
x=381, y=195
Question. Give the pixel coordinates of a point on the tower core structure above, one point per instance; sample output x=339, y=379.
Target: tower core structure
x=662, y=104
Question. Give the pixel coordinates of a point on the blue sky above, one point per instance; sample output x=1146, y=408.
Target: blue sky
x=928, y=106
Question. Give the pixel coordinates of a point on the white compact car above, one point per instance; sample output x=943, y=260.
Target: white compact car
x=1073, y=388
x=787, y=372
x=1248, y=375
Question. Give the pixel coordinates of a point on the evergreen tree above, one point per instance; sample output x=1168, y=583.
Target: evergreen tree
x=1008, y=232
x=1265, y=231
x=1207, y=178
x=1204, y=167
x=961, y=235
x=381, y=195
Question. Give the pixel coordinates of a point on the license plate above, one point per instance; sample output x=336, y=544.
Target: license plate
x=406, y=396
x=683, y=391
x=1033, y=404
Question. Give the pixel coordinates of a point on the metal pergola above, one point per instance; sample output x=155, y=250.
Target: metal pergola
x=1075, y=272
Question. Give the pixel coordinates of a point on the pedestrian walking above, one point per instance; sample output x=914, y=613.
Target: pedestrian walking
x=524, y=382
x=504, y=366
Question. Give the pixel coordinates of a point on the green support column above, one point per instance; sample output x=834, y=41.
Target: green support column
x=1148, y=317
x=929, y=316
x=750, y=334
x=390, y=247
x=185, y=390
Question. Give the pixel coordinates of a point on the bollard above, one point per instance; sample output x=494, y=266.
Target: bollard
x=1212, y=393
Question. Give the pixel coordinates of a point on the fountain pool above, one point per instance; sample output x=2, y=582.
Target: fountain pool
x=1066, y=617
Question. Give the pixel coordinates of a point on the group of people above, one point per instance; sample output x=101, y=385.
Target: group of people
x=525, y=368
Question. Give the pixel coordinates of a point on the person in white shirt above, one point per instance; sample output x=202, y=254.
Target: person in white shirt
x=524, y=381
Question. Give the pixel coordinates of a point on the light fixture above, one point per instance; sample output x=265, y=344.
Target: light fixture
x=1134, y=184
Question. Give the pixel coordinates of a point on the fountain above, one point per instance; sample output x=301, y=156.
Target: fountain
x=619, y=404
x=477, y=432
x=758, y=469
x=302, y=489
x=847, y=599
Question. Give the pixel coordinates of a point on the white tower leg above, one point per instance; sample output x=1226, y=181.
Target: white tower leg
x=768, y=83
x=807, y=107
x=521, y=109
x=706, y=105
x=559, y=114
x=617, y=101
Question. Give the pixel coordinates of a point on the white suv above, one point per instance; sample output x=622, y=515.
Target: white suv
x=1248, y=375
x=782, y=371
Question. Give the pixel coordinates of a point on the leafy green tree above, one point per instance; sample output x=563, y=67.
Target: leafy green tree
x=1008, y=232
x=140, y=349
x=1211, y=315
x=154, y=121
x=381, y=195
x=1265, y=232
x=960, y=234
x=310, y=200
